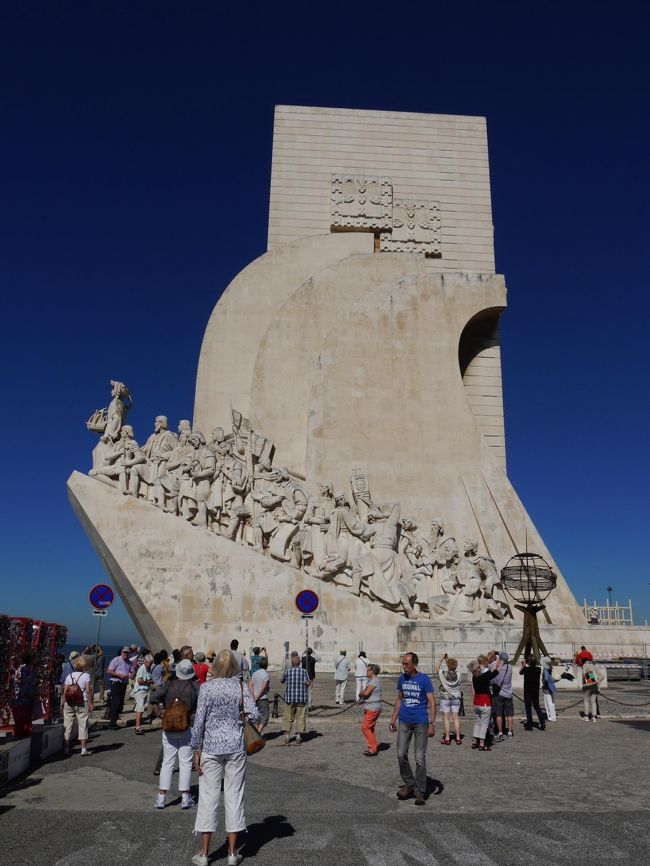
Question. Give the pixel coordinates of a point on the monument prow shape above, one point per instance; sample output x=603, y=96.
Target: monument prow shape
x=366, y=456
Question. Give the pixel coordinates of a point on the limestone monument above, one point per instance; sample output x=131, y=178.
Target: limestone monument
x=348, y=430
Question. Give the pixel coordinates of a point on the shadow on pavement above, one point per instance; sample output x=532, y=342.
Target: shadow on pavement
x=310, y=735
x=21, y=784
x=107, y=747
x=272, y=827
x=434, y=787
x=639, y=724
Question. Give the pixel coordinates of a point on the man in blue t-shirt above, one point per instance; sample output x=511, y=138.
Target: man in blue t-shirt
x=415, y=710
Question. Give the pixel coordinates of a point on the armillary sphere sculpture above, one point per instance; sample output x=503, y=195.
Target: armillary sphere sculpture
x=529, y=579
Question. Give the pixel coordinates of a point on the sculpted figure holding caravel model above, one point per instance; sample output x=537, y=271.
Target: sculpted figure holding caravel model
x=230, y=486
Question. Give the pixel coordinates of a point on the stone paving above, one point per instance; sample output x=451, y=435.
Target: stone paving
x=575, y=793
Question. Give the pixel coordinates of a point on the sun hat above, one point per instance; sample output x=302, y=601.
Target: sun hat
x=184, y=669
x=199, y=656
x=73, y=655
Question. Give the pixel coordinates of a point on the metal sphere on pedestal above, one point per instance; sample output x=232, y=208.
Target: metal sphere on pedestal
x=528, y=578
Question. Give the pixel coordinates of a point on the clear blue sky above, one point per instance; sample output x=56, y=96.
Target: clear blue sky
x=136, y=149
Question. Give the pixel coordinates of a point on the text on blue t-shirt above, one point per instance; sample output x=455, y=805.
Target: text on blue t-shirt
x=413, y=709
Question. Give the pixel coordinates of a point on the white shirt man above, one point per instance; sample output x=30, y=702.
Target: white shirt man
x=341, y=672
x=361, y=673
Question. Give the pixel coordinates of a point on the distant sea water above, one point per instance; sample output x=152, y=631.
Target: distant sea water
x=110, y=650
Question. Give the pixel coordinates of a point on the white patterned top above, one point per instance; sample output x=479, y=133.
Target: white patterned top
x=217, y=728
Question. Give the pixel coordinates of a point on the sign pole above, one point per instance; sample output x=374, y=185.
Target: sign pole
x=99, y=628
x=307, y=669
x=307, y=602
x=100, y=597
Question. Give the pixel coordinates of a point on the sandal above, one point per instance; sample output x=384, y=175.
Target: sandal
x=475, y=746
x=484, y=749
x=459, y=742
x=445, y=741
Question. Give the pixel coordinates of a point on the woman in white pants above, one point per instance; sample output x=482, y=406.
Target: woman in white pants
x=218, y=746
x=482, y=702
x=77, y=703
x=183, y=687
x=548, y=688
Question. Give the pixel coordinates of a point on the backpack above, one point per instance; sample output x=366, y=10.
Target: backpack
x=72, y=693
x=177, y=717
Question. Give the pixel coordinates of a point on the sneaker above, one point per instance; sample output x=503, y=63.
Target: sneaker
x=585, y=718
x=510, y=735
x=85, y=752
x=404, y=793
x=593, y=720
x=188, y=801
x=287, y=739
x=499, y=738
x=299, y=739
x=200, y=860
x=160, y=804
x=234, y=859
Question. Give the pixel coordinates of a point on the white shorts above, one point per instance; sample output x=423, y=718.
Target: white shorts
x=140, y=701
x=450, y=705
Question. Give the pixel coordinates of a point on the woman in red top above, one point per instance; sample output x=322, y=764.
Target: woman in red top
x=482, y=702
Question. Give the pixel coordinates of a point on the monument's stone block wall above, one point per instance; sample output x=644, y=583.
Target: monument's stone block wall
x=429, y=158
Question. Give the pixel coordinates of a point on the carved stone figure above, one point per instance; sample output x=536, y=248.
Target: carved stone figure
x=233, y=476
x=380, y=563
x=291, y=512
x=313, y=548
x=447, y=579
x=267, y=501
x=427, y=573
x=108, y=422
x=476, y=579
x=157, y=450
x=343, y=545
x=167, y=485
x=196, y=479
x=119, y=463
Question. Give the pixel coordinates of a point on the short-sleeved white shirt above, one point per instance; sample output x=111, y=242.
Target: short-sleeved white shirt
x=81, y=679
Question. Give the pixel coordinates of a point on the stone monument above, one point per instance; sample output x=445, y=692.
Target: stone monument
x=348, y=431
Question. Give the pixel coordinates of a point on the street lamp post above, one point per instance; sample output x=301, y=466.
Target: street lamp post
x=610, y=590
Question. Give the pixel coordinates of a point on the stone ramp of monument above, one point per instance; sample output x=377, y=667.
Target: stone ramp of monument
x=183, y=584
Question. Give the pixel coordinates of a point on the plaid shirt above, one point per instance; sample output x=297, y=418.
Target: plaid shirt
x=296, y=690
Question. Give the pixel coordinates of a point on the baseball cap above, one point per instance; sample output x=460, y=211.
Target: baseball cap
x=184, y=670
x=125, y=649
x=504, y=657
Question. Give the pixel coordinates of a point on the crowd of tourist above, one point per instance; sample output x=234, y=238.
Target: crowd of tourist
x=205, y=698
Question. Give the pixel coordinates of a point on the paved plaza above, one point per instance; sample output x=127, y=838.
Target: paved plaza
x=573, y=794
